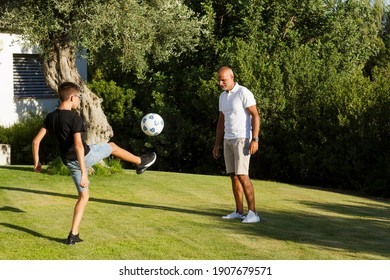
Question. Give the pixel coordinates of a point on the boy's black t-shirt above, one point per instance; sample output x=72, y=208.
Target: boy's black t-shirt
x=62, y=124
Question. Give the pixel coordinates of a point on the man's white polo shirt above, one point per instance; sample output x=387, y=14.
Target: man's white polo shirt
x=233, y=105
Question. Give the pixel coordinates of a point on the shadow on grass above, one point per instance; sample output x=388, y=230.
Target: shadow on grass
x=362, y=209
x=34, y=233
x=11, y=209
x=113, y=202
x=351, y=228
x=20, y=168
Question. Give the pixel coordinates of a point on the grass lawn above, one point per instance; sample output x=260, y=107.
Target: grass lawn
x=169, y=216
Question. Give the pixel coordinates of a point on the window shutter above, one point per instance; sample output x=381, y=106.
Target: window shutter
x=29, y=80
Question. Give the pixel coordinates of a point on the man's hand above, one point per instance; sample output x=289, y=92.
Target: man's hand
x=216, y=153
x=254, y=146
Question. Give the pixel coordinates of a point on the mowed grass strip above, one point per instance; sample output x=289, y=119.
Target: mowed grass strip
x=161, y=215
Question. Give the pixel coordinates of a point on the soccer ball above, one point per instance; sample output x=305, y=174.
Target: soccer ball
x=152, y=124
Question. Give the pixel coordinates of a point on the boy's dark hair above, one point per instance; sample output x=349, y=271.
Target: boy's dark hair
x=67, y=89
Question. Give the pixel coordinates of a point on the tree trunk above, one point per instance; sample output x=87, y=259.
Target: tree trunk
x=60, y=66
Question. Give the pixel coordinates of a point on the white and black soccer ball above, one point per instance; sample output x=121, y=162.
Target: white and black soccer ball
x=152, y=124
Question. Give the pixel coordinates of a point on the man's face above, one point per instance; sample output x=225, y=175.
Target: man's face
x=226, y=81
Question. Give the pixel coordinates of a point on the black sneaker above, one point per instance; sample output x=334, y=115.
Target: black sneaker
x=146, y=162
x=73, y=239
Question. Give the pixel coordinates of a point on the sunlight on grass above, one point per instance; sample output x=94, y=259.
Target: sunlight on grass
x=160, y=215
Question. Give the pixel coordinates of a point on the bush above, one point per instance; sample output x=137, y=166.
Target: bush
x=20, y=136
x=111, y=166
x=56, y=167
x=108, y=167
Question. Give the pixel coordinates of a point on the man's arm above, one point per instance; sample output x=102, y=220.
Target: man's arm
x=254, y=146
x=35, y=149
x=219, y=135
x=78, y=145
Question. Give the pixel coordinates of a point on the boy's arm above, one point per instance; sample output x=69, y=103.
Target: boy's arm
x=78, y=145
x=35, y=149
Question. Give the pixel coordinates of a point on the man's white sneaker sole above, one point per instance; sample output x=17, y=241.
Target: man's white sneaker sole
x=233, y=215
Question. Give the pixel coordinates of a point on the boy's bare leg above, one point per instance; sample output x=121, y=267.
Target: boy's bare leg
x=123, y=154
x=79, y=210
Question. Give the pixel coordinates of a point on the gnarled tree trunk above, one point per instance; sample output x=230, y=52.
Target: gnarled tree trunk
x=60, y=66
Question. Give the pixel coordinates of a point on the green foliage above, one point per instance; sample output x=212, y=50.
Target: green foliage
x=110, y=166
x=127, y=32
x=20, y=136
x=318, y=69
x=117, y=101
x=57, y=167
x=303, y=61
x=121, y=114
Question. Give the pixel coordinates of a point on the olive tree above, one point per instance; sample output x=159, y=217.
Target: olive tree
x=130, y=31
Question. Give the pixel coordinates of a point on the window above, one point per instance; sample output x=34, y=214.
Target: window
x=29, y=80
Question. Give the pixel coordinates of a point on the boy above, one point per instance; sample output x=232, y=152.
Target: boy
x=66, y=126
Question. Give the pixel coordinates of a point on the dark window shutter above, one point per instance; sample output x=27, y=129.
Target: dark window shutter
x=29, y=80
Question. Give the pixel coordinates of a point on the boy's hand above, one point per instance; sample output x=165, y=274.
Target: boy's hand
x=38, y=167
x=84, y=181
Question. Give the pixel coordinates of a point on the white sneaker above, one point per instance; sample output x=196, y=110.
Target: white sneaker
x=234, y=215
x=251, y=217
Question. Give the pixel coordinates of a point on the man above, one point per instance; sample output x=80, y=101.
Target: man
x=66, y=126
x=239, y=126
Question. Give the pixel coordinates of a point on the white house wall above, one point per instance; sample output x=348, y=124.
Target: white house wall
x=13, y=109
x=8, y=114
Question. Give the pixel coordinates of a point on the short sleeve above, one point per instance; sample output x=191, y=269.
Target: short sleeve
x=78, y=125
x=248, y=99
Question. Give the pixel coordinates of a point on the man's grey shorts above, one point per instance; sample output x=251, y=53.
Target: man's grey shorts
x=97, y=153
x=237, y=155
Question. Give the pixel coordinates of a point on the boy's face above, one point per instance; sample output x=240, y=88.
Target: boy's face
x=75, y=99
